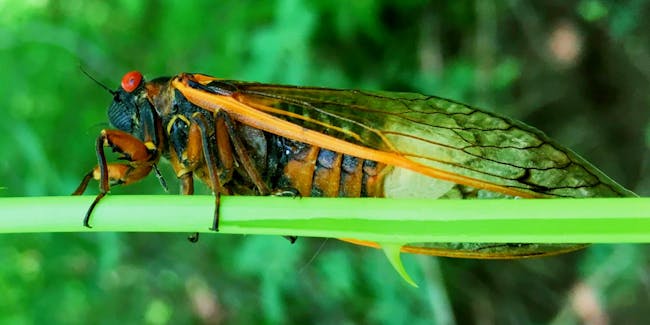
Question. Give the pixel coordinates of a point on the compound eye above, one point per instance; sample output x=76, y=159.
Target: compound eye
x=131, y=81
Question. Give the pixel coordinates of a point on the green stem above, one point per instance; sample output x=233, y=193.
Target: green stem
x=384, y=220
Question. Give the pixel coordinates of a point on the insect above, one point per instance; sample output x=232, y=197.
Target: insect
x=244, y=138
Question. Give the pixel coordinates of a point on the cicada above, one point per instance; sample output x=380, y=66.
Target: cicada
x=246, y=138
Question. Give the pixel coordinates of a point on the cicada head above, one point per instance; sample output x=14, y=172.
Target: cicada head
x=130, y=107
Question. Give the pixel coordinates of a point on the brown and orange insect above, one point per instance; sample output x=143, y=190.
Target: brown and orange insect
x=244, y=138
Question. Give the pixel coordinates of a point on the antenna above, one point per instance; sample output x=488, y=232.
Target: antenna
x=96, y=81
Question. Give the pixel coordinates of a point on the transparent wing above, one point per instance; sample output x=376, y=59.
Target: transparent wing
x=438, y=133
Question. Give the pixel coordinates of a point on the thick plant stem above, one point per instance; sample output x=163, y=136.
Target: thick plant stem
x=593, y=220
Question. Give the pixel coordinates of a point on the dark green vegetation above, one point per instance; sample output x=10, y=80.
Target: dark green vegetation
x=578, y=71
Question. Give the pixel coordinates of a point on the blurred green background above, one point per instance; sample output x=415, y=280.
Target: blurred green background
x=578, y=70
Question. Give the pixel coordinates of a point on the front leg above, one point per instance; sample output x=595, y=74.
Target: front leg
x=140, y=158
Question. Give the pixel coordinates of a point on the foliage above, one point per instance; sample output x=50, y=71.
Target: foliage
x=575, y=70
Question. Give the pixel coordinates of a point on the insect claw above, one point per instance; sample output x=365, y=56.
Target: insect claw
x=91, y=208
x=287, y=192
x=193, y=238
x=86, y=219
x=217, y=203
x=161, y=178
x=291, y=239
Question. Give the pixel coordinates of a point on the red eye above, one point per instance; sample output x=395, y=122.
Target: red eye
x=131, y=81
